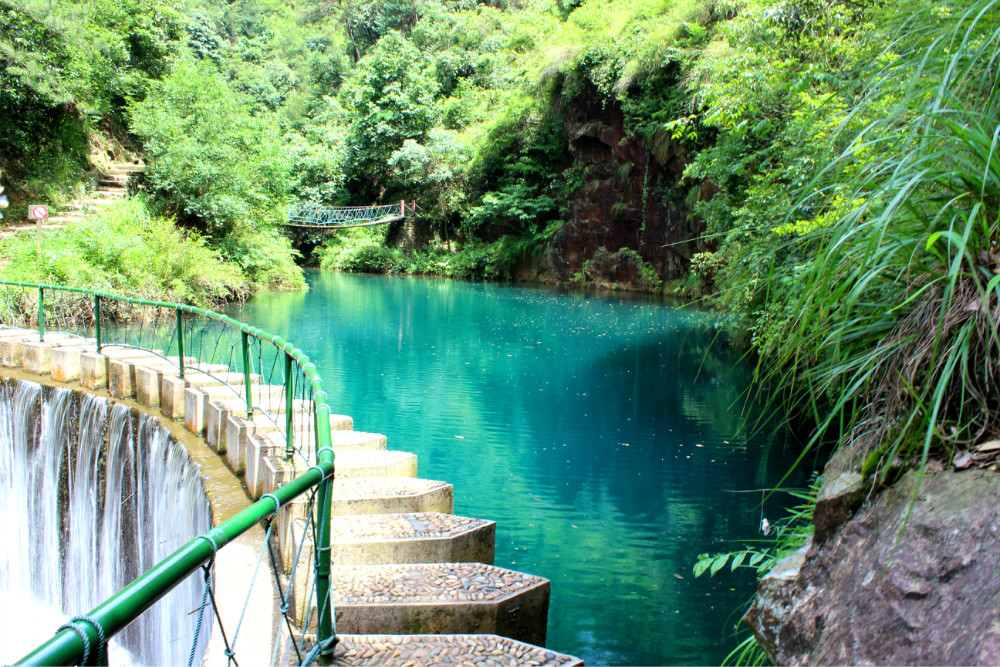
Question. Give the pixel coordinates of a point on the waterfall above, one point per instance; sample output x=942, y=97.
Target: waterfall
x=92, y=496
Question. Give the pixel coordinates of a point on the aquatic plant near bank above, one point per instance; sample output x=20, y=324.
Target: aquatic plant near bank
x=782, y=538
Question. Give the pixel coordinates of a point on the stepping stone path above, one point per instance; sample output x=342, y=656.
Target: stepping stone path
x=405, y=569
x=110, y=187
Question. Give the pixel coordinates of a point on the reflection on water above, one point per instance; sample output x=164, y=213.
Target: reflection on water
x=602, y=435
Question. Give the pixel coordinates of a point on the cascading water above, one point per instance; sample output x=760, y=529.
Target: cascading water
x=91, y=498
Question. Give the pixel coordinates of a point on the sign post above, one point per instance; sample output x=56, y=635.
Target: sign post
x=38, y=213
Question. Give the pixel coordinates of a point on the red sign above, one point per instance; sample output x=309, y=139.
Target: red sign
x=38, y=212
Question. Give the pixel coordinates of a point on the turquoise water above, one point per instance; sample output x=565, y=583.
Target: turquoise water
x=603, y=435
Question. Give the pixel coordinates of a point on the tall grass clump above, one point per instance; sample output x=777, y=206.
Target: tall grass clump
x=125, y=249
x=891, y=335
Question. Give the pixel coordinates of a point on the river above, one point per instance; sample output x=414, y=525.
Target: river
x=611, y=439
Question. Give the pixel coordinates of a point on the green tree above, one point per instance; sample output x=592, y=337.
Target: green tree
x=210, y=160
x=389, y=99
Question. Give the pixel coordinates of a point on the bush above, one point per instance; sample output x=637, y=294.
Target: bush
x=210, y=160
x=126, y=250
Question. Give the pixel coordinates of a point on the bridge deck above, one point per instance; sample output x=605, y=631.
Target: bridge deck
x=346, y=217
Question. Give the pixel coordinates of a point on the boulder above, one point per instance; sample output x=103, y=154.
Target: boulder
x=912, y=578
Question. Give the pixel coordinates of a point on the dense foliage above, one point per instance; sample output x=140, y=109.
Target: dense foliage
x=846, y=149
x=124, y=249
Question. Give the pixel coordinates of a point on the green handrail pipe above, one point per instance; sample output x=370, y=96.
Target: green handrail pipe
x=245, y=340
x=289, y=415
x=41, y=314
x=66, y=648
x=116, y=612
x=97, y=321
x=180, y=342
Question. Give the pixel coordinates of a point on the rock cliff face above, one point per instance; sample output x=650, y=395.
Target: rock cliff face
x=631, y=198
x=874, y=592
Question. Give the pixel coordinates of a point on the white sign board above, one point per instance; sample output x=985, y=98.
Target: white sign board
x=38, y=211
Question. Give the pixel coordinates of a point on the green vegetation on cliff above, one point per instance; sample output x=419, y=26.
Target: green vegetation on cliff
x=821, y=170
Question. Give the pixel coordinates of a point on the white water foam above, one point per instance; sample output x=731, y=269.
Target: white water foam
x=89, y=503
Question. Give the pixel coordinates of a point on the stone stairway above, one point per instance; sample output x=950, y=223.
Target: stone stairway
x=110, y=187
x=414, y=583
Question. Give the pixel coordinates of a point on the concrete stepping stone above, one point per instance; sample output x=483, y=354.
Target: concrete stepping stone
x=472, y=650
x=342, y=440
x=416, y=537
x=391, y=495
x=440, y=598
x=13, y=348
x=354, y=463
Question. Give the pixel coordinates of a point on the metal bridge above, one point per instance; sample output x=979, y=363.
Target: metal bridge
x=346, y=217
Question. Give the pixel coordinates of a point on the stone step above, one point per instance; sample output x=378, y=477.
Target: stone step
x=268, y=392
x=14, y=346
x=124, y=374
x=38, y=355
x=361, y=463
x=471, y=650
x=391, y=495
x=249, y=443
x=120, y=183
x=218, y=376
x=266, y=467
x=341, y=439
x=97, y=203
x=208, y=415
x=108, y=193
x=440, y=598
x=414, y=537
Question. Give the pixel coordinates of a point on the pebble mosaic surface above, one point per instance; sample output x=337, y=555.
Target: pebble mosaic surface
x=434, y=582
x=459, y=650
x=383, y=487
x=416, y=525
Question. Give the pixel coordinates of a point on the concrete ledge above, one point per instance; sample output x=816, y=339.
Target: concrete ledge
x=391, y=495
x=38, y=358
x=121, y=379
x=354, y=463
x=440, y=598
x=172, y=396
x=93, y=370
x=147, y=385
x=194, y=410
x=66, y=363
x=478, y=650
x=216, y=415
x=420, y=537
x=11, y=352
x=257, y=450
x=343, y=440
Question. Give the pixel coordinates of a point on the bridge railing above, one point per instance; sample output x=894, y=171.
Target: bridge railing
x=243, y=357
x=345, y=216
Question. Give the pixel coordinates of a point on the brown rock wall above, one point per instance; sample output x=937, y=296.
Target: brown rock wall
x=621, y=203
x=872, y=594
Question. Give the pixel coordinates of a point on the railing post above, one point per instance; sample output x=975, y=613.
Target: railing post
x=180, y=342
x=97, y=320
x=324, y=604
x=41, y=314
x=246, y=374
x=402, y=208
x=289, y=417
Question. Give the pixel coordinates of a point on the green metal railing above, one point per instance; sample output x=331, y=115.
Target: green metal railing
x=90, y=312
x=346, y=216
